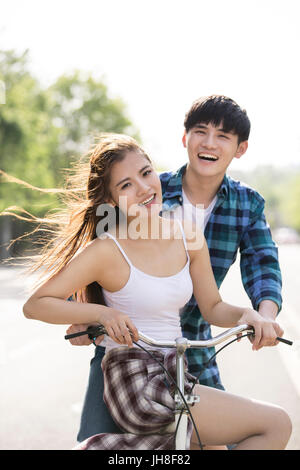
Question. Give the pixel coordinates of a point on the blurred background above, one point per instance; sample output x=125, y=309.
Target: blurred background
x=69, y=70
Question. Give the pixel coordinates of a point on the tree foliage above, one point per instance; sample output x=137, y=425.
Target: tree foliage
x=26, y=136
x=44, y=130
x=81, y=108
x=291, y=206
x=280, y=188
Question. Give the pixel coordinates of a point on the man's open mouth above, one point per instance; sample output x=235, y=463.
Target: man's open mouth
x=207, y=157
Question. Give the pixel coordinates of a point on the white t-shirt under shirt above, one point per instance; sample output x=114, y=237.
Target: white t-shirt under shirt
x=197, y=214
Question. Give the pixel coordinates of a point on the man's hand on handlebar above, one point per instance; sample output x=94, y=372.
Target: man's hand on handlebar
x=82, y=340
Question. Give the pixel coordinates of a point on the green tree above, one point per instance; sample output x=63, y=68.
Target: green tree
x=27, y=137
x=82, y=108
x=279, y=188
x=290, y=204
x=42, y=131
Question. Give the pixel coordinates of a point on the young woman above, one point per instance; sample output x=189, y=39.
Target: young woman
x=130, y=269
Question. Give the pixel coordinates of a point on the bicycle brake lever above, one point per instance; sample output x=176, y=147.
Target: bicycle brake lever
x=282, y=340
x=95, y=331
x=92, y=332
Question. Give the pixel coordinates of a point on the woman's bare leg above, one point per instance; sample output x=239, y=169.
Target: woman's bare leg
x=212, y=447
x=224, y=418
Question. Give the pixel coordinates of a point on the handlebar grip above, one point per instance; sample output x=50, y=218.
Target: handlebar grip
x=286, y=341
x=282, y=340
x=74, y=335
x=92, y=332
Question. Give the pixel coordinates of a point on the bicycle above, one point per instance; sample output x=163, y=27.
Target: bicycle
x=181, y=344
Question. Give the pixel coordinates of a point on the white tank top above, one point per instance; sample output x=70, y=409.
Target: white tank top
x=152, y=302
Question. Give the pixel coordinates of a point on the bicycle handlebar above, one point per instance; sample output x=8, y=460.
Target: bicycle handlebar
x=94, y=331
x=196, y=344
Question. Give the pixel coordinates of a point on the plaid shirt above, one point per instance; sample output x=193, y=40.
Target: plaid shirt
x=236, y=222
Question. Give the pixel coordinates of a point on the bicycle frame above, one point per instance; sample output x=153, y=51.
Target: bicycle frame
x=181, y=345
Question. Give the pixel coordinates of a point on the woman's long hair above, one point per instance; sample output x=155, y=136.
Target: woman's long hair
x=71, y=228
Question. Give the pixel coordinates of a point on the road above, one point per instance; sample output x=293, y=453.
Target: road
x=43, y=378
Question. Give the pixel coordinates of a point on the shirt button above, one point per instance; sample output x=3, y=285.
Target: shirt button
x=180, y=199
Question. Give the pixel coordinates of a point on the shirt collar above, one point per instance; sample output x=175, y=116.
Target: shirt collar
x=174, y=186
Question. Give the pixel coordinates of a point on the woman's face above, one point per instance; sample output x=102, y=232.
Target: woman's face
x=135, y=186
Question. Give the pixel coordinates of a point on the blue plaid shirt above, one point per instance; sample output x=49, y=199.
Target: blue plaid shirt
x=236, y=222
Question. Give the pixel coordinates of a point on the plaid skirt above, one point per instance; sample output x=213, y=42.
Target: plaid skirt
x=140, y=397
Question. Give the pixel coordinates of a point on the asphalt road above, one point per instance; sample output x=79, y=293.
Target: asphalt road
x=43, y=378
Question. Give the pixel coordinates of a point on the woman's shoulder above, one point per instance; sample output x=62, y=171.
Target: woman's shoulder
x=100, y=246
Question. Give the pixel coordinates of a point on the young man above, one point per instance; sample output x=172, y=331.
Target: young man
x=216, y=132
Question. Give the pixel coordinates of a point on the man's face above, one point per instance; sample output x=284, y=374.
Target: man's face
x=211, y=150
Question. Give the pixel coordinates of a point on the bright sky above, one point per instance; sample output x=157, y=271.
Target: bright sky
x=161, y=55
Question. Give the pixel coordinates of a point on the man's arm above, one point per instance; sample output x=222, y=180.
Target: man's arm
x=259, y=265
x=268, y=309
x=216, y=312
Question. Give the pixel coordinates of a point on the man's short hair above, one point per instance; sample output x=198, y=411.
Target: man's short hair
x=219, y=109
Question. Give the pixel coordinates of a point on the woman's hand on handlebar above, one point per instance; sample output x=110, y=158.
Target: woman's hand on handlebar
x=265, y=330
x=119, y=326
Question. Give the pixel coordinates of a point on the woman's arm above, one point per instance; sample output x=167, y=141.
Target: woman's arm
x=213, y=309
x=49, y=303
x=219, y=313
